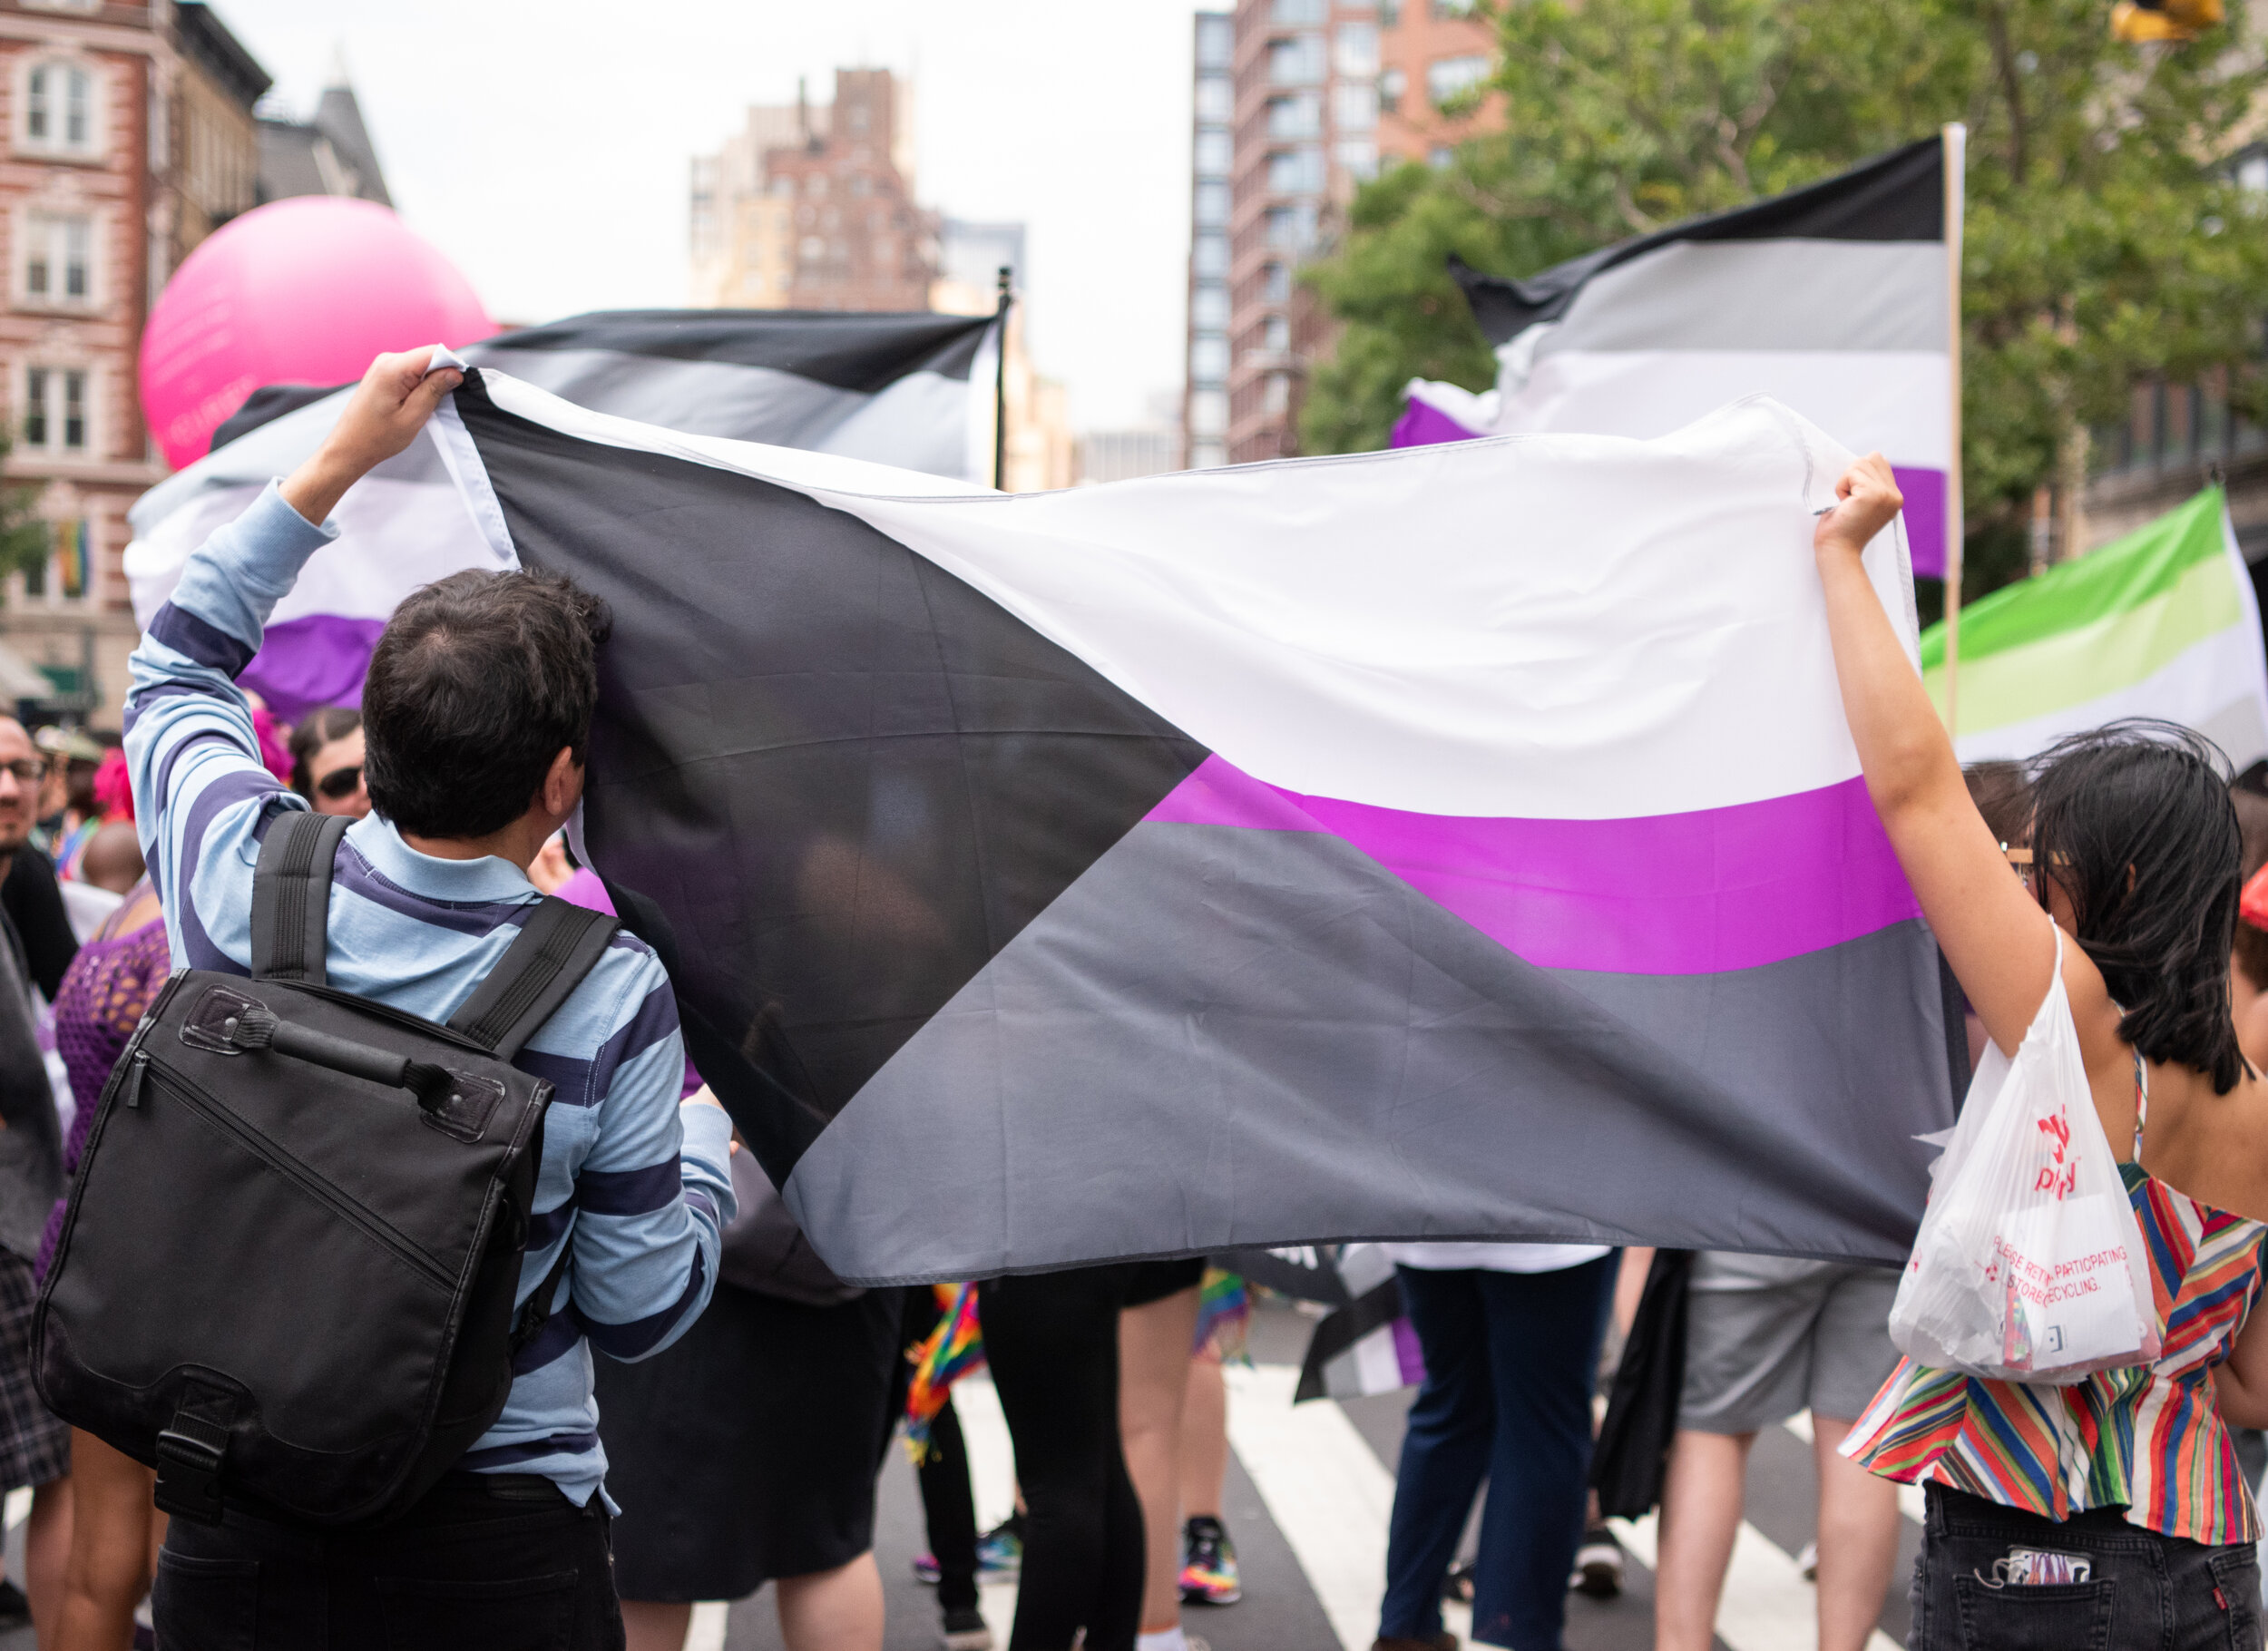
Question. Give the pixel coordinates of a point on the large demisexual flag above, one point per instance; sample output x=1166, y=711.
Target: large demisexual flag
x=1833, y=299
x=912, y=390
x=1458, y=842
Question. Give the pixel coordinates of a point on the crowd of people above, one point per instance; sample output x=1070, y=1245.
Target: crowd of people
x=731, y=1431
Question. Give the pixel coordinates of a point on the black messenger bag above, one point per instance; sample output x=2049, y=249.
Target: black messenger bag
x=287, y=1272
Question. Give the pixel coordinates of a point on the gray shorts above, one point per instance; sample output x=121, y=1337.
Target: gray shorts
x=1767, y=1337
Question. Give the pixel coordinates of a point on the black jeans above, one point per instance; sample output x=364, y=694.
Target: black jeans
x=2148, y=1591
x=1052, y=1343
x=486, y=1566
x=948, y=1505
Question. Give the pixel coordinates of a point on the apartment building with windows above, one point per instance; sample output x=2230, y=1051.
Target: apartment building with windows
x=1298, y=103
x=810, y=206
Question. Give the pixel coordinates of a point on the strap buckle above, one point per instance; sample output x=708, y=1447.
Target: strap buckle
x=189, y=1474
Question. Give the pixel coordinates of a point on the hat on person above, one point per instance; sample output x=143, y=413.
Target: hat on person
x=75, y=745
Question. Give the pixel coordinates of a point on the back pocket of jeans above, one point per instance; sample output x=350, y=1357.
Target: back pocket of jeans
x=206, y=1604
x=510, y=1614
x=2051, y=1617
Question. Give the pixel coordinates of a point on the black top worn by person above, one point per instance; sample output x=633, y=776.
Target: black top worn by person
x=33, y=902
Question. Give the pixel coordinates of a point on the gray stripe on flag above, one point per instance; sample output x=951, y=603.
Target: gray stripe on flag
x=1221, y=1037
x=1764, y=295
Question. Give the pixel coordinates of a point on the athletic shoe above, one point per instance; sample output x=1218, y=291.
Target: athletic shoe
x=1000, y=1550
x=1209, y=1563
x=1457, y=1583
x=999, y=1555
x=966, y=1631
x=1598, y=1565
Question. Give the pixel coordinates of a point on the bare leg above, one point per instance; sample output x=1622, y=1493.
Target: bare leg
x=1701, y=1509
x=1204, y=1442
x=47, y=1555
x=111, y=1558
x=837, y=1610
x=1858, y=1540
x=655, y=1624
x=1153, y=1385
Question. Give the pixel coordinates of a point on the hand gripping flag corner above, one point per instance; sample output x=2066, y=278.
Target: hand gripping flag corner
x=1463, y=842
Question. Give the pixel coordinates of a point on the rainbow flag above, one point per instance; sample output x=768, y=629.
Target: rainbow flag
x=2160, y=623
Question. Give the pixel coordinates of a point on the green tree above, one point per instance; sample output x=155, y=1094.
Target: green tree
x=26, y=537
x=2105, y=247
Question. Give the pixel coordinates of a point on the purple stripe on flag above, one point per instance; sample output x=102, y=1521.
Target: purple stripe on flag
x=1925, y=519
x=1422, y=424
x=321, y=659
x=1407, y=1353
x=1705, y=893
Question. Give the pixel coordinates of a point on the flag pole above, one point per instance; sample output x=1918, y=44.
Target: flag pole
x=1000, y=387
x=1956, y=140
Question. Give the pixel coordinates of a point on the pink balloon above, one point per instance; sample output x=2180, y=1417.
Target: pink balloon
x=299, y=291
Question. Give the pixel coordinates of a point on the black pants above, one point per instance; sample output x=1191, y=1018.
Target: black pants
x=1052, y=1343
x=948, y=1505
x=483, y=1565
x=2145, y=1589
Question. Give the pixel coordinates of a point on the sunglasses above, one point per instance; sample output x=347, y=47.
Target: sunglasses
x=340, y=783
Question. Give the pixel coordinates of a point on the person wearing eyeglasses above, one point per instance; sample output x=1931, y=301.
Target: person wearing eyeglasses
x=326, y=761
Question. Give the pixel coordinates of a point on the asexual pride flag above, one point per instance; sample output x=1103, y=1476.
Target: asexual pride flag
x=1834, y=299
x=1463, y=842
x=913, y=390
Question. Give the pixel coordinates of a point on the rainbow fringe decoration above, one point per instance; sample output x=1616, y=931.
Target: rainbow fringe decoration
x=949, y=1352
x=1223, y=1310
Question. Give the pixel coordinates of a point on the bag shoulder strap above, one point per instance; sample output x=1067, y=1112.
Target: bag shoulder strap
x=291, y=896
x=557, y=946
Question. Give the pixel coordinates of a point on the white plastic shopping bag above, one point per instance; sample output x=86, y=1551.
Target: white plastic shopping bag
x=2029, y=1265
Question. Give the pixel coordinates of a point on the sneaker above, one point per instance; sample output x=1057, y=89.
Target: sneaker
x=1000, y=1550
x=926, y=1569
x=1457, y=1583
x=16, y=1611
x=1209, y=1563
x=966, y=1631
x=1598, y=1565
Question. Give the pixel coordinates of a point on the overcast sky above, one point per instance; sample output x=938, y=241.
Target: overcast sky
x=543, y=146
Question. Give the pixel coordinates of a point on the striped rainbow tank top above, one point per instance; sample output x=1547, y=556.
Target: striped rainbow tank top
x=2148, y=1439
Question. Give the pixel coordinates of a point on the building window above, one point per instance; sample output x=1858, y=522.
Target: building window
x=1392, y=85
x=1455, y=8
x=1275, y=283
x=1358, y=49
x=1295, y=171
x=1296, y=62
x=1275, y=393
x=1389, y=12
x=1206, y=455
x=1276, y=336
x=1300, y=11
x=1212, y=205
x=1208, y=359
x=1208, y=412
x=1214, y=153
x=1209, y=254
x=58, y=254
x=1441, y=157
x=1208, y=305
x=1216, y=40
x=1358, y=158
x=1354, y=108
x=55, y=410
x=1445, y=77
x=1292, y=226
x=1299, y=116
x=1216, y=98
x=59, y=109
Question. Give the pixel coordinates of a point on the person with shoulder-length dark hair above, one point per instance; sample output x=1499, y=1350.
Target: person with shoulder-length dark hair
x=326, y=758
x=2125, y=1481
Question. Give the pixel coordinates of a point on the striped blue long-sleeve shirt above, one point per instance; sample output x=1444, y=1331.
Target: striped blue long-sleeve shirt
x=638, y=1184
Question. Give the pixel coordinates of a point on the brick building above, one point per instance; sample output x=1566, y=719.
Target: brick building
x=811, y=205
x=1298, y=103
x=129, y=138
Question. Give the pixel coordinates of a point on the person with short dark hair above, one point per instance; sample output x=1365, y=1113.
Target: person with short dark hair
x=477, y=719
x=327, y=760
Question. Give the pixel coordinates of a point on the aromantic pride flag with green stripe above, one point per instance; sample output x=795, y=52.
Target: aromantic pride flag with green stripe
x=2160, y=623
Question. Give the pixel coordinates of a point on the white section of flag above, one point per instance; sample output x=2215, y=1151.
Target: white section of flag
x=1658, y=646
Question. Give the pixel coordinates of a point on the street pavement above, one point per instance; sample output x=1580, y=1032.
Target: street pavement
x=1309, y=1491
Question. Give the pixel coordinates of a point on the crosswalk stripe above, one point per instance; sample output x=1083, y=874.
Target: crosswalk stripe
x=1325, y=1488
x=1910, y=1501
